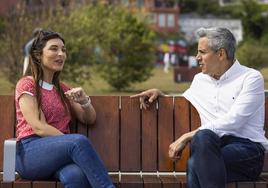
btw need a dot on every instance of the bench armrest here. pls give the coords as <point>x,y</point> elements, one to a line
<point>9,160</point>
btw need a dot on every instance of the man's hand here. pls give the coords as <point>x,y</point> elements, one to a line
<point>148,96</point>
<point>176,148</point>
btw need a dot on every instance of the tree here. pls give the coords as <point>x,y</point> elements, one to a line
<point>108,35</point>
<point>253,54</point>
<point>121,44</point>
<point>254,21</point>
<point>129,57</point>
<point>12,39</point>
<point>18,26</point>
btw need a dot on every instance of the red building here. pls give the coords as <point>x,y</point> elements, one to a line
<point>6,6</point>
<point>162,14</point>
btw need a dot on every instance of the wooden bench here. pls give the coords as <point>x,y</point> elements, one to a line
<point>132,142</point>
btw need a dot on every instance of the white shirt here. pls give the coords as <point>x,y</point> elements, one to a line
<point>232,105</point>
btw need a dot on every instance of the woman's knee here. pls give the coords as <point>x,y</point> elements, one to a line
<point>79,140</point>
<point>72,176</point>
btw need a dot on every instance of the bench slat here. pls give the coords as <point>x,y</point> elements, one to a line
<point>7,122</point>
<point>131,182</point>
<point>21,183</point>
<point>245,185</point>
<point>115,180</point>
<point>130,134</point>
<point>59,185</point>
<point>149,138</point>
<point>262,184</point>
<point>165,133</point>
<point>43,184</point>
<point>183,181</point>
<point>231,185</point>
<point>6,185</point>
<point>182,125</point>
<point>170,182</point>
<point>105,133</point>
<point>151,182</point>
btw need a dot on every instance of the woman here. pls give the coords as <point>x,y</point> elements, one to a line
<point>43,107</point>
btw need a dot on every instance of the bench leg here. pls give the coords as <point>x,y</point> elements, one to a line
<point>9,160</point>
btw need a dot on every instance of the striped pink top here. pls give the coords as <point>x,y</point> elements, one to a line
<point>51,106</point>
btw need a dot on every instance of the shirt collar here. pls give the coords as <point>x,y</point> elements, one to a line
<point>45,85</point>
<point>230,72</point>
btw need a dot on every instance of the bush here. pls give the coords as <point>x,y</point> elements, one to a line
<point>253,54</point>
<point>117,41</point>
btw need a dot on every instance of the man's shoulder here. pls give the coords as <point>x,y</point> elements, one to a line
<point>200,76</point>
<point>251,72</point>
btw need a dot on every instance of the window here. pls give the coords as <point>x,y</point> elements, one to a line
<point>162,20</point>
<point>140,3</point>
<point>170,20</point>
<point>125,2</point>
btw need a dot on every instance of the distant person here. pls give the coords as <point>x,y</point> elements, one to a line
<point>166,62</point>
<point>26,51</point>
<point>229,145</point>
<point>44,109</point>
<point>173,59</point>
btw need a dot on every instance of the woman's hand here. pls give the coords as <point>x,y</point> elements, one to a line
<point>77,95</point>
<point>81,105</point>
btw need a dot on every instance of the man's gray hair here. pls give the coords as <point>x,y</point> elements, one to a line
<point>219,38</point>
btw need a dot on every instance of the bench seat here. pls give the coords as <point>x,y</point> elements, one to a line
<point>133,143</point>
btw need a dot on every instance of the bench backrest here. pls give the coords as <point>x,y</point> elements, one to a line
<point>128,139</point>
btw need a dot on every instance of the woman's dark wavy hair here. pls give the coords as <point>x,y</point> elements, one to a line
<point>36,68</point>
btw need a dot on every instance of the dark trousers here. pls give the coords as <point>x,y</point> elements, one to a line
<point>216,161</point>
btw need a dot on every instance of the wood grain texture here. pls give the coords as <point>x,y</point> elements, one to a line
<point>104,134</point>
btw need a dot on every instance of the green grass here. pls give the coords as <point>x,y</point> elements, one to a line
<point>265,75</point>
<point>97,86</point>
<point>159,79</point>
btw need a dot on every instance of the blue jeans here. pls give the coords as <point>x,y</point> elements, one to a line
<point>70,158</point>
<point>216,161</point>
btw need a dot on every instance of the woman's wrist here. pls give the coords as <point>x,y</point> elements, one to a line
<point>87,103</point>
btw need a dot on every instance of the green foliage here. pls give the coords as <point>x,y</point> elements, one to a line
<point>2,25</point>
<point>253,54</point>
<point>254,21</point>
<point>129,50</point>
<point>116,40</point>
<point>12,39</point>
<point>121,44</point>
<point>76,68</point>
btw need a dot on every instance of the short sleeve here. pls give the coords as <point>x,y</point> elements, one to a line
<point>25,86</point>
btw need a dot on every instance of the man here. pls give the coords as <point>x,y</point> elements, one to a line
<point>230,143</point>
